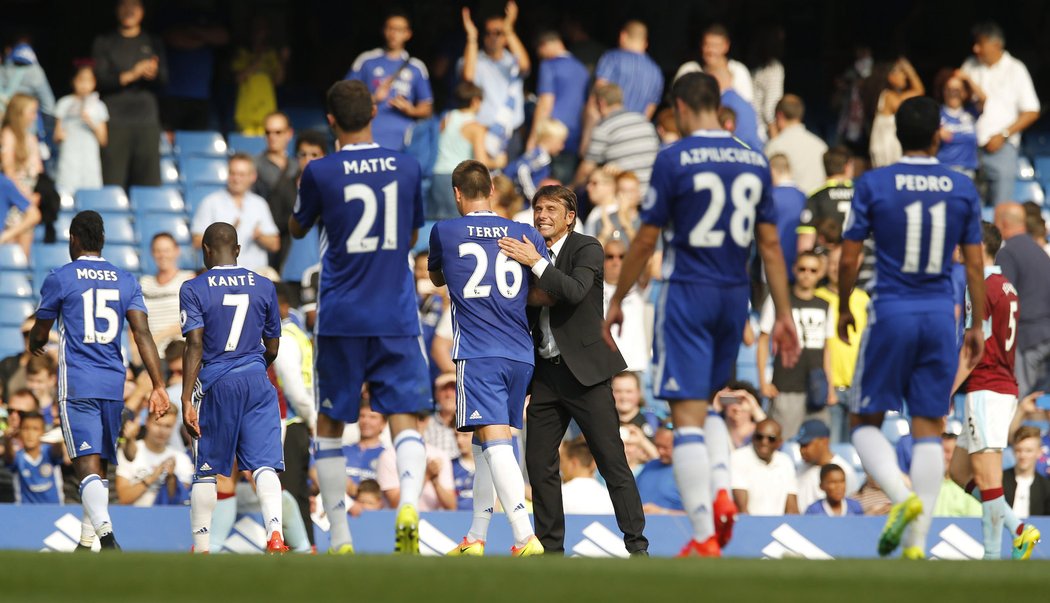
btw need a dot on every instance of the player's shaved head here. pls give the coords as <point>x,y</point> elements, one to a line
<point>918,120</point>
<point>350,104</point>
<point>220,245</point>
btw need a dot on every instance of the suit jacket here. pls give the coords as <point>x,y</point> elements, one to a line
<point>1038,496</point>
<point>575,282</point>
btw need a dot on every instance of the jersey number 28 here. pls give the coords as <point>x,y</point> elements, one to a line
<point>744,193</point>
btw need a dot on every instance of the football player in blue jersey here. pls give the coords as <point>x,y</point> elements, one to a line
<point>91,299</point>
<point>368,204</point>
<point>711,195</point>
<point>232,324</point>
<point>917,211</point>
<point>492,347</point>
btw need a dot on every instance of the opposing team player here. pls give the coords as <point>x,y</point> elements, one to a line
<point>91,299</point>
<point>991,401</point>
<point>918,211</point>
<point>368,203</point>
<point>492,348</point>
<point>232,327</point>
<point>712,194</point>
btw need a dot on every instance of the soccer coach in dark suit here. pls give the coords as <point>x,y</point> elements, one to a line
<point>574,368</point>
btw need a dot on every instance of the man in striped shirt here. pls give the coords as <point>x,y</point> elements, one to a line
<point>622,137</point>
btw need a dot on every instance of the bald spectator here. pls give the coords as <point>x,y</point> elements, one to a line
<point>763,479</point>
<point>631,68</point>
<point>1010,108</point>
<point>1027,266</point>
<point>804,150</point>
<point>623,137</point>
<point>714,49</point>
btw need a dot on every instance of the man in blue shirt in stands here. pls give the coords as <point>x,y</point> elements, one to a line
<point>633,70</point>
<point>656,483</point>
<point>562,91</point>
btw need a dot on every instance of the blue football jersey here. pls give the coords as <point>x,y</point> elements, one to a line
<point>90,298</point>
<point>39,480</point>
<point>361,463</point>
<point>488,290</point>
<point>237,308</point>
<point>917,211</point>
<point>708,191</point>
<point>369,202</point>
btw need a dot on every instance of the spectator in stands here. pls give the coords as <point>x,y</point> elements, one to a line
<point>192,35</point>
<point>161,291</point>
<point>763,478</point>
<point>1027,492</point>
<point>20,402</point>
<point>259,69</point>
<point>622,137</point>
<point>738,404</point>
<point>561,91</point>
<point>745,121</point>
<point>509,201</point>
<point>630,68</point>
<point>462,137</point>
<point>656,483</point>
<point>802,391</point>
<point>581,494</point>
<point>399,83</point>
<point>131,68</point>
<point>158,474</point>
<point>534,166</point>
<point>42,380</point>
<point>902,83</point>
<point>630,405</point>
<point>80,128</point>
<point>439,490</point>
<point>369,497</point>
<point>638,448</point>
<point>21,214</point>
<point>953,501</point>
<point>21,73</point>
<point>961,102</point>
<point>441,429</point>
<point>1035,224</point>
<point>500,71</point>
<point>463,469</point>
<point>23,164</point>
<point>790,202</point>
<point>173,359</point>
<point>666,128</point>
<point>362,458</point>
<point>833,501</point>
<point>246,211</point>
<point>714,50</point>
<point>37,466</point>
<point>13,368</point>
<point>848,100</point>
<point>631,338</point>
<point>804,149</point>
<point>872,499</point>
<point>814,445</point>
<point>1011,106</point>
<point>767,72</point>
<point>830,201</point>
<point>278,180</point>
<point>605,207</point>
<point>843,354</point>
<point>1027,267</point>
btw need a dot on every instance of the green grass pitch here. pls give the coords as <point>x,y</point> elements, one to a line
<point>149,578</point>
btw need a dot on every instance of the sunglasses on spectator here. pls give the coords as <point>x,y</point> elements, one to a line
<point>769,438</point>
<point>614,256</point>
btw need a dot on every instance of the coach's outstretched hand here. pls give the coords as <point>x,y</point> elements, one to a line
<point>190,420</point>
<point>159,403</point>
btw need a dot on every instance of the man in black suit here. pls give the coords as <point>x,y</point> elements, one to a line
<point>1035,488</point>
<point>573,372</point>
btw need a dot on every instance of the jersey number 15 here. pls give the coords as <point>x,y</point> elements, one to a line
<point>96,306</point>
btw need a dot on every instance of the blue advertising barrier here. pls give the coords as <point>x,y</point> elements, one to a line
<point>166,529</point>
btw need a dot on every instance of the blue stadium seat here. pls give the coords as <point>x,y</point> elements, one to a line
<point>151,224</point>
<point>120,230</point>
<point>157,200</point>
<point>13,312</point>
<point>12,257</point>
<point>15,284</point>
<point>47,257</point>
<point>302,255</point>
<point>195,193</point>
<point>848,452</point>
<point>203,170</point>
<point>199,144</point>
<point>11,342</point>
<point>1029,190</point>
<point>125,257</point>
<point>169,174</point>
<point>253,145</point>
<point>105,199</point>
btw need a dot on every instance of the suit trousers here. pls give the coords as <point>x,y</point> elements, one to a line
<point>557,397</point>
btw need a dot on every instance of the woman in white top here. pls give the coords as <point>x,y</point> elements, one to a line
<point>902,83</point>
<point>161,292</point>
<point>462,137</point>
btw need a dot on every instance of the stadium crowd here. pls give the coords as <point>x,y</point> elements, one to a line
<point>127,142</point>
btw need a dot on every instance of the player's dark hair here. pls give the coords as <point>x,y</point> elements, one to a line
<point>836,159</point>
<point>559,193</point>
<point>918,120</point>
<point>162,235</point>
<point>369,486</point>
<point>465,93</point>
<point>220,235</point>
<point>471,178</point>
<point>312,138</point>
<point>88,228</point>
<point>989,30</point>
<point>579,451</point>
<point>30,415</point>
<point>991,238</point>
<point>174,350</point>
<point>699,92</point>
<point>25,392</point>
<point>828,469</point>
<point>791,107</point>
<point>350,104</point>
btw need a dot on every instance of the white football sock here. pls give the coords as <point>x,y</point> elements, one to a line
<point>94,495</point>
<point>331,473</point>
<point>411,465</point>
<point>880,461</point>
<point>510,487</point>
<point>992,511</point>
<point>87,531</point>
<point>484,496</point>
<point>927,474</point>
<point>716,436</point>
<point>203,498</point>
<point>295,535</point>
<point>691,464</point>
<point>222,520</point>
<point>268,488</point>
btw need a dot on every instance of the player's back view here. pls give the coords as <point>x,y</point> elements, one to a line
<point>91,299</point>
<point>492,346</point>
<point>368,205</point>
<point>232,326</point>
<point>917,211</point>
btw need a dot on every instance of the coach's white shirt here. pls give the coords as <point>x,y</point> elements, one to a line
<point>146,461</point>
<point>253,213</point>
<point>809,482</point>
<point>1010,92</point>
<point>549,347</point>
<point>585,496</point>
<point>767,484</point>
